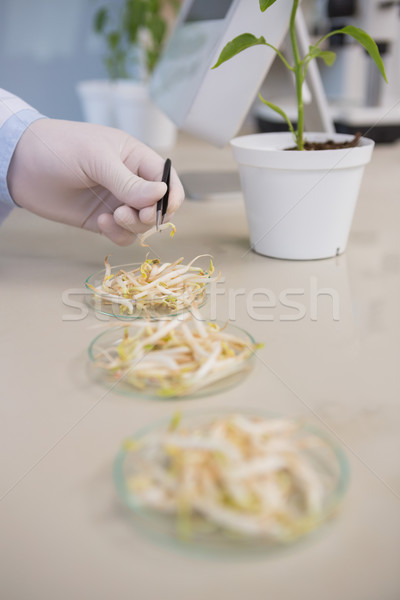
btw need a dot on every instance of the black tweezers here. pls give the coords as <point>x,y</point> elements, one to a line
<point>162,205</point>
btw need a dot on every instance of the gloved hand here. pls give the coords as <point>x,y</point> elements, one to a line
<point>90,176</point>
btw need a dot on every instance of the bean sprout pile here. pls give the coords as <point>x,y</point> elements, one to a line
<point>174,357</point>
<point>155,288</point>
<point>249,475</point>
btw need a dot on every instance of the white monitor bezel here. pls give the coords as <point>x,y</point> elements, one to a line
<point>221,98</point>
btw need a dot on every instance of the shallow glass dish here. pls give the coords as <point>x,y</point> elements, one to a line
<point>112,338</point>
<point>204,536</point>
<point>106,305</point>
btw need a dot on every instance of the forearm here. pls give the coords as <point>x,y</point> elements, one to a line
<point>15,116</point>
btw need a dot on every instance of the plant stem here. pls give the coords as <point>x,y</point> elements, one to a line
<point>299,77</point>
<point>283,59</point>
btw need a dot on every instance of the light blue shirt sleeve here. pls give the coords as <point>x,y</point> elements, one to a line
<point>11,130</point>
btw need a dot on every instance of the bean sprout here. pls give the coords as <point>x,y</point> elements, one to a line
<point>174,357</point>
<point>155,288</point>
<point>250,475</point>
<point>154,230</point>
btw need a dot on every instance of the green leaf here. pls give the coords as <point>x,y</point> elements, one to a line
<point>365,40</point>
<point>327,56</point>
<point>238,44</point>
<point>133,18</point>
<point>154,6</point>
<point>114,39</point>
<point>279,111</point>
<point>158,28</point>
<point>100,20</point>
<point>264,4</point>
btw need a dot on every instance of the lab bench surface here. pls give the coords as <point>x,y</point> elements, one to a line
<point>331,331</point>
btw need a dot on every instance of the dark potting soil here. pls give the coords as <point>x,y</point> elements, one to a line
<point>330,144</point>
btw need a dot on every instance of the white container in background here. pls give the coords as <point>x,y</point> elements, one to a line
<point>96,96</point>
<point>137,114</point>
<point>299,205</point>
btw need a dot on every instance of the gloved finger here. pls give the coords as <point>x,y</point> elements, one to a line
<point>144,161</point>
<point>149,165</point>
<point>148,216</point>
<point>128,218</point>
<point>114,232</point>
<point>176,194</point>
<point>129,188</point>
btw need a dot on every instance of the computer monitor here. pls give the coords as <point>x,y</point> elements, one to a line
<point>212,104</point>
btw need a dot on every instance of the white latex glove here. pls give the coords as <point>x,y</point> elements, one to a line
<point>90,176</point>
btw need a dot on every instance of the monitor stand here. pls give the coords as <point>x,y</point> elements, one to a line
<point>211,185</point>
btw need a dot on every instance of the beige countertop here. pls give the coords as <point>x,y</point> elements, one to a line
<point>332,359</point>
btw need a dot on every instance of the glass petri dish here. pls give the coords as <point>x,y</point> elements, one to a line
<point>204,537</point>
<point>119,382</point>
<point>109,306</point>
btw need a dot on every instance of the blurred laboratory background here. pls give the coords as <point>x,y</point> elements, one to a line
<point>48,46</point>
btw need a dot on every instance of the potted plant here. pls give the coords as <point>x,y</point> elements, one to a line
<point>300,200</point>
<point>134,34</point>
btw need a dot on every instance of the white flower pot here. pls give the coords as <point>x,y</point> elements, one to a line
<point>299,205</point>
<point>137,114</point>
<point>96,96</point>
